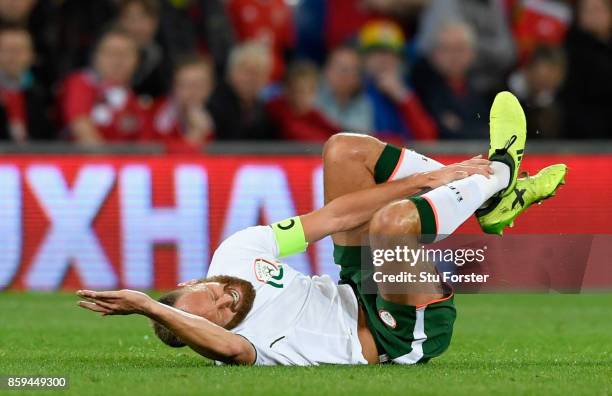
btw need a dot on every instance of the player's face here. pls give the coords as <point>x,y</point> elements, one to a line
<point>214,301</point>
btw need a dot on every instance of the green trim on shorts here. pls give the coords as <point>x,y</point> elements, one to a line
<point>437,321</point>
<point>396,342</point>
<point>386,163</point>
<point>428,219</point>
<point>348,256</point>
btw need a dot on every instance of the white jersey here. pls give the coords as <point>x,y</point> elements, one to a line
<point>295,319</point>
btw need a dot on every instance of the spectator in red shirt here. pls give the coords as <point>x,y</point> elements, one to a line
<point>182,120</point>
<point>98,104</point>
<point>269,22</point>
<point>295,113</point>
<point>25,103</point>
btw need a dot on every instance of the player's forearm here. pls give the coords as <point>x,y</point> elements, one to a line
<point>355,209</point>
<point>201,335</point>
<point>352,210</point>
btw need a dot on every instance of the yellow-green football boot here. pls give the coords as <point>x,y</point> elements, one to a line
<point>508,131</point>
<point>501,213</point>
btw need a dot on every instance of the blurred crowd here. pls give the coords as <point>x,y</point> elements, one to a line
<point>187,72</point>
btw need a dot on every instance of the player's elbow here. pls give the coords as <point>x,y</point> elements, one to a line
<point>238,353</point>
<point>222,351</point>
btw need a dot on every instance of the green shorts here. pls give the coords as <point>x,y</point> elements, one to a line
<point>403,334</point>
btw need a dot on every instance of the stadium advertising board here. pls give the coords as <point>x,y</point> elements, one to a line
<point>149,222</point>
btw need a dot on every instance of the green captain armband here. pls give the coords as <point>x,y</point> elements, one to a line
<point>290,236</point>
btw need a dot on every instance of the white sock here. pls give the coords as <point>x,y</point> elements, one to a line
<point>455,202</point>
<point>411,162</point>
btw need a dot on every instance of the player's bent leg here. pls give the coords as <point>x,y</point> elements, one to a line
<point>412,322</point>
<point>347,155</point>
<point>353,162</point>
<point>396,163</point>
<point>348,166</point>
<point>444,209</point>
<point>399,224</point>
<point>348,163</point>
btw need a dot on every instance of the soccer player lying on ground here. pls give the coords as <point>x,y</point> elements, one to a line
<point>253,309</point>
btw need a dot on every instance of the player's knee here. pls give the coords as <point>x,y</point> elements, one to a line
<point>396,218</point>
<point>343,147</point>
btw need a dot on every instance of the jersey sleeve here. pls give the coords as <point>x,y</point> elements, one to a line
<point>258,239</point>
<point>235,255</point>
<point>278,240</point>
<point>252,254</point>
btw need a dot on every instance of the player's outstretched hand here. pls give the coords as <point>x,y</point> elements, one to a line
<point>120,302</point>
<point>474,166</point>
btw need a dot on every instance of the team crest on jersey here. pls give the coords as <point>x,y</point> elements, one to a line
<point>269,272</point>
<point>387,318</point>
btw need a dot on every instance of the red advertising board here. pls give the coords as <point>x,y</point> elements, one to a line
<point>148,222</point>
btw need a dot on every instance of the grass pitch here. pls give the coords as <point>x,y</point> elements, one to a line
<point>503,344</point>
